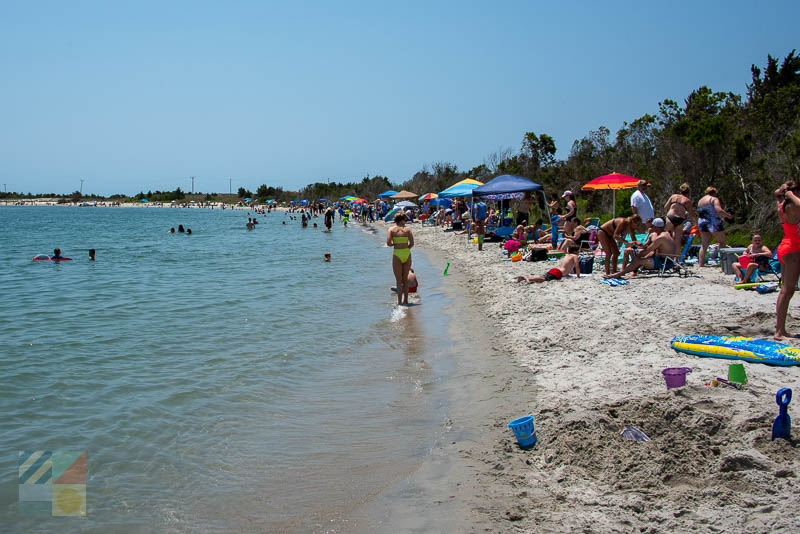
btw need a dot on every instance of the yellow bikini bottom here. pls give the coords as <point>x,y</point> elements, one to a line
<point>402,254</point>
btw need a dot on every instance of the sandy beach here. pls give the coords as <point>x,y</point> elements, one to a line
<point>586,359</point>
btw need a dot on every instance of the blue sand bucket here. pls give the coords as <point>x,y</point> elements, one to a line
<point>524,430</point>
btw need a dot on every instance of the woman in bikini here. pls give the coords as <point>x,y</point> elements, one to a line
<point>788,252</point>
<point>613,231</point>
<point>401,238</point>
<point>574,234</point>
<point>709,222</point>
<point>677,208</point>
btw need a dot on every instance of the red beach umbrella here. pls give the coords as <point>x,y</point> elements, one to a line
<point>612,181</point>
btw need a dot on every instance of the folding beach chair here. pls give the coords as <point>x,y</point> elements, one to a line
<point>774,270</point>
<point>676,262</point>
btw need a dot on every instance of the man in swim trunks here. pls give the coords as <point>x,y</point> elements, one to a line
<point>651,256</point>
<point>569,263</point>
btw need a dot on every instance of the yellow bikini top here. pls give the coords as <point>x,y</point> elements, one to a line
<point>399,239</point>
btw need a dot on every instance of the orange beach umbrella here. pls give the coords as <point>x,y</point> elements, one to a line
<point>612,181</point>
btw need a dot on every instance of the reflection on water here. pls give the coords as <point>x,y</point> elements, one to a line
<point>228,380</point>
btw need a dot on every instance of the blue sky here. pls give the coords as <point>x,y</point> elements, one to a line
<point>132,96</point>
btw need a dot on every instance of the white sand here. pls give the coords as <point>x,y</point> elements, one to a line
<point>593,355</point>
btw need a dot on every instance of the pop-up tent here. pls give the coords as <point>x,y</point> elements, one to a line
<point>387,194</point>
<point>507,184</point>
<point>461,189</point>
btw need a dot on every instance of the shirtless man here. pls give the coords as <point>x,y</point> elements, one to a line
<point>661,244</point>
<point>569,263</point>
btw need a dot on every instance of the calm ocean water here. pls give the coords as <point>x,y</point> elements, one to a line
<point>225,381</point>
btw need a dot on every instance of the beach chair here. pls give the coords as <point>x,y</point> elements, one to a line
<point>676,262</point>
<point>774,270</point>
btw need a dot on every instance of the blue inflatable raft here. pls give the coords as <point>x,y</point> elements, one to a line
<point>738,348</point>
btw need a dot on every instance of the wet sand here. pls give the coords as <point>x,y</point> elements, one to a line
<point>584,359</point>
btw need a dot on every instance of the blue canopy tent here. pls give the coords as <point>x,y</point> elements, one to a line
<point>441,202</point>
<point>387,194</point>
<point>458,190</point>
<point>506,184</point>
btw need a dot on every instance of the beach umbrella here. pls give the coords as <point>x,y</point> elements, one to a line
<point>347,197</point>
<point>387,194</point>
<point>406,204</point>
<point>323,200</point>
<point>247,199</point>
<point>358,201</point>
<point>404,194</point>
<point>612,181</point>
<point>429,196</point>
<point>143,200</point>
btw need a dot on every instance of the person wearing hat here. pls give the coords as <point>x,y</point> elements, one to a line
<point>640,202</point>
<point>651,256</point>
<point>572,206</point>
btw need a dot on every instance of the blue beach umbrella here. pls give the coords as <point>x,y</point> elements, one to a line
<point>143,200</point>
<point>247,199</point>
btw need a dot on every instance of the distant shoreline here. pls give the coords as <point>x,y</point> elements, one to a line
<point>111,204</point>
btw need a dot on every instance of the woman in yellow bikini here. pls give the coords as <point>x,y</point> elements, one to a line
<point>402,240</point>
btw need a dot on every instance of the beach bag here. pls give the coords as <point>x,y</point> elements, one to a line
<point>536,254</point>
<point>586,263</point>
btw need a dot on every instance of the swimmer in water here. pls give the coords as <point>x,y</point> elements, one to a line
<point>180,229</point>
<point>284,223</point>
<point>91,254</point>
<point>188,231</point>
<point>327,256</point>
<point>172,230</point>
<point>56,254</point>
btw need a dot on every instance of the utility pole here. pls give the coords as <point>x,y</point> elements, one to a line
<point>192,177</point>
<point>230,186</point>
<point>81,187</point>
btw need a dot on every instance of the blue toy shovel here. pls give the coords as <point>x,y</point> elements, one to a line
<point>783,424</point>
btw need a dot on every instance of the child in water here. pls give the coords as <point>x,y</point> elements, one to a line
<point>91,254</point>
<point>327,256</point>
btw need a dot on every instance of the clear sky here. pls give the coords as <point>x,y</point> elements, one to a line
<point>132,96</point>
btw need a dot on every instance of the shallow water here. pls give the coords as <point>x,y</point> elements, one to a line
<point>227,380</point>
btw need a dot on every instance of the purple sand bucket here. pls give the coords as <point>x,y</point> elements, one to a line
<point>676,376</point>
<point>524,431</point>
